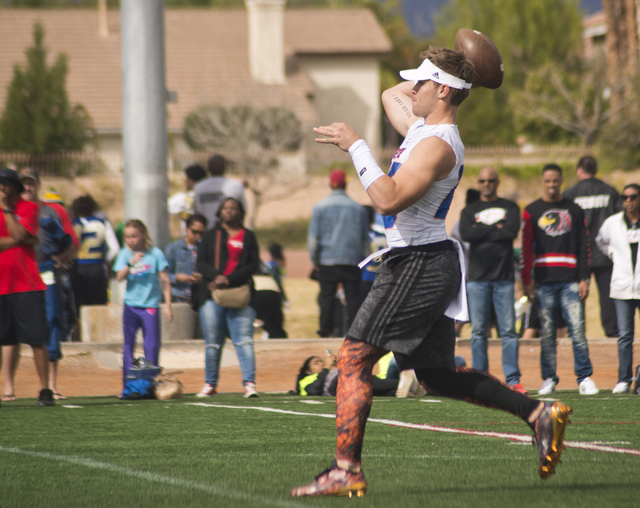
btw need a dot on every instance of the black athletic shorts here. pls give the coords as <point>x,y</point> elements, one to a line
<point>404,310</point>
<point>23,319</point>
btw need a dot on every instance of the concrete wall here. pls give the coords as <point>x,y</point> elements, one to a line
<point>347,90</point>
<point>103,324</point>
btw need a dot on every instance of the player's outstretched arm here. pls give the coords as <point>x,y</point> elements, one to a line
<point>430,161</point>
<point>398,105</point>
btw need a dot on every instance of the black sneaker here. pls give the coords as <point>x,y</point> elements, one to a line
<point>46,398</point>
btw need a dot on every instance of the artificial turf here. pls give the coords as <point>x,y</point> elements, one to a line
<point>224,452</point>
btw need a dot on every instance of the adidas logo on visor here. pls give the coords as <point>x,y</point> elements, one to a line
<point>436,75</point>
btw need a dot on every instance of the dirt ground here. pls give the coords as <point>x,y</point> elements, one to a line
<point>81,375</point>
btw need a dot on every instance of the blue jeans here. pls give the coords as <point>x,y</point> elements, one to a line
<point>625,309</point>
<point>54,319</point>
<point>564,297</point>
<point>219,323</point>
<point>480,296</point>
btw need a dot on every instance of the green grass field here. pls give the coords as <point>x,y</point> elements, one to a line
<point>232,452</point>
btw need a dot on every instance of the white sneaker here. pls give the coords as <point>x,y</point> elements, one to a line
<point>621,388</point>
<point>207,391</point>
<point>548,387</point>
<point>407,380</point>
<point>588,387</point>
<point>250,391</point>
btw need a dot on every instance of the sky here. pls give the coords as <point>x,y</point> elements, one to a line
<point>419,12</point>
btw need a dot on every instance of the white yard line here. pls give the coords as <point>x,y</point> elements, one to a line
<point>434,428</point>
<point>250,499</point>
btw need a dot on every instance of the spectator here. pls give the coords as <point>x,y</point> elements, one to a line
<point>90,276</point>
<point>277,261</point>
<point>209,193</point>
<point>145,269</point>
<point>598,201</point>
<point>338,240</point>
<point>23,316</point>
<point>555,244</point>
<point>317,377</point>
<point>55,251</point>
<point>65,291</point>
<point>228,256</point>
<point>181,203</point>
<point>490,226</point>
<point>269,299</point>
<point>181,257</point>
<point>618,239</point>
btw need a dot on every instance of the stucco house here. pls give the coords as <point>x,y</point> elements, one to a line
<point>320,63</point>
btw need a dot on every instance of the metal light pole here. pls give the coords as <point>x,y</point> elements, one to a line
<point>144,114</point>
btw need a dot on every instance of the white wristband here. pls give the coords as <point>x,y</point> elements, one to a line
<point>366,166</point>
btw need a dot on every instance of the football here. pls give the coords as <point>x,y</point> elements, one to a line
<point>488,69</point>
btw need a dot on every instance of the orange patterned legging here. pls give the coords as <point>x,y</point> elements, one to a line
<point>354,396</point>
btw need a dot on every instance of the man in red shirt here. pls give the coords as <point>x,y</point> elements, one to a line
<point>22,304</point>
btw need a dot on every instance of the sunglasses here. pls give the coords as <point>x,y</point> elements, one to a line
<point>198,232</point>
<point>492,180</point>
<point>631,197</point>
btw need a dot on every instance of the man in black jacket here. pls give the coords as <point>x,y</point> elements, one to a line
<point>490,226</point>
<point>599,201</point>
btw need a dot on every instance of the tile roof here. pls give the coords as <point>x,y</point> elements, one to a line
<point>206,56</point>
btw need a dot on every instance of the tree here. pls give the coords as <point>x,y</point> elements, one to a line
<point>565,104</point>
<point>38,117</point>
<point>256,141</point>
<point>529,35</point>
<point>622,47</point>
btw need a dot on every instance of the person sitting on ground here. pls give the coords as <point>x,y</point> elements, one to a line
<point>317,378</point>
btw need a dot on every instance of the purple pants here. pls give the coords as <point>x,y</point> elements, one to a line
<point>134,318</point>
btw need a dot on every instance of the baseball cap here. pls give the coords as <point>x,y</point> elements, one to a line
<point>429,71</point>
<point>29,173</point>
<point>338,179</point>
<point>9,175</point>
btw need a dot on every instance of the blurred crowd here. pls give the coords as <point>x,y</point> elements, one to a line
<point>55,259</point>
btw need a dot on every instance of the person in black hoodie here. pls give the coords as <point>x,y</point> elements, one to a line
<point>228,256</point>
<point>598,201</point>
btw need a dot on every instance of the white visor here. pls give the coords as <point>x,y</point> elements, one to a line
<point>428,71</point>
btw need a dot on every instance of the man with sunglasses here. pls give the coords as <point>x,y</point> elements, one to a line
<point>618,239</point>
<point>181,258</point>
<point>555,245</point>
<point>599,201</point>
<point>490,225</point>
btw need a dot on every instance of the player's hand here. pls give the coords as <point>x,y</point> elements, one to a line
<point>168,313</point>
<point>583,290</point>
<point>339,134</point>
<point>528,290</point>
<point>56,261</point>
<point>183,277</point>
<point>137,256</point>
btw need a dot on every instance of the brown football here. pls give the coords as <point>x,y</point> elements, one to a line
<point>488,69</point>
